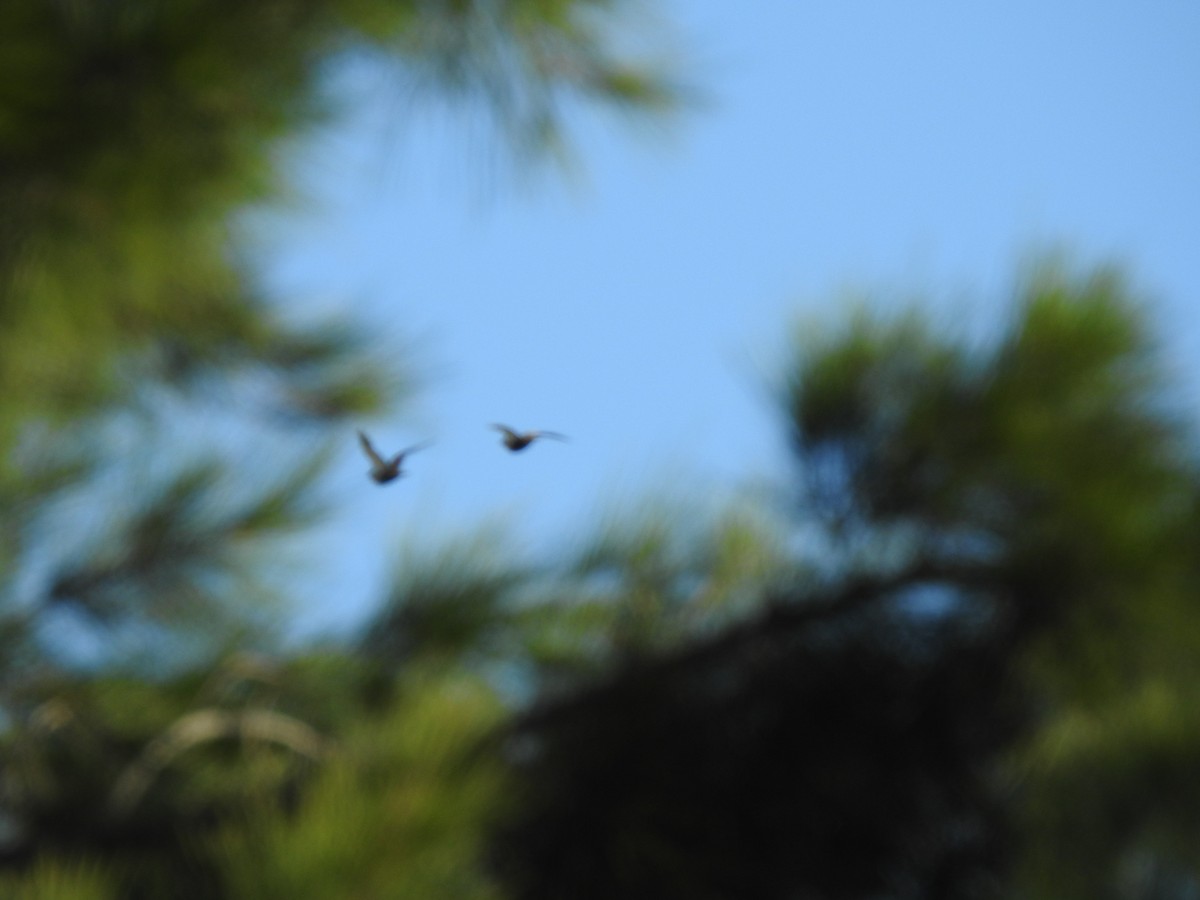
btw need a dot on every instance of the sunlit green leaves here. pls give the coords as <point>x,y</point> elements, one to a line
<point>402,811</point>
<point>1113,791</point>
<point>61,879</point>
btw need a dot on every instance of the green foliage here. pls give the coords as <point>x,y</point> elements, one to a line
<point>135,769</point>
<point>769,761</point>
<point>968,676</point>
<point>132,138</point>
<point>988,664</point>
<point>523,62</point>
<point>130,134</point>
<point>135,339</point>
<point>401,811</point>
<point>653,579</point>
<point>1062,459</point>
<point>1059,452</point>
<point>965,670</point>
<point>449,606</point>
<point>1114,790</point>
<point>642,582</point>
<point>60,880</point>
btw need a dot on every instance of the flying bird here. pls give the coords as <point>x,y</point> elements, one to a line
<point>519,440</point>
<point>385,470</point>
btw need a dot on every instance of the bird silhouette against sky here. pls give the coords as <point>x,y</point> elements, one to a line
<point>519,440</point>
<point>384,470</point>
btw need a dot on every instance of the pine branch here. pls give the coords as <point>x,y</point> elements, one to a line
<point>206,726</point>
<point>778,619</point>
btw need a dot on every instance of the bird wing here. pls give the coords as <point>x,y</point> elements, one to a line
<point>399,457</point>
<point>368,449</point>
<point>508,431</point>
<point>551,434</point>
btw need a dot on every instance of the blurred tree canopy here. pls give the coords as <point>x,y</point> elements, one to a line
<point>133,138</point>
<point>978,684</point>
<point>955,657</point>
<point>137,559</point>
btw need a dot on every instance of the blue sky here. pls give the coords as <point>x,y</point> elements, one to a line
<point>641,306</point>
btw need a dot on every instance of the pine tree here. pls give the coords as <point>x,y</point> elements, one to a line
<point>141,355</point>
<point>979,684</point>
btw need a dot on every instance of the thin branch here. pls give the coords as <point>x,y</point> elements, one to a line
<point>790,618</point>
<point>204,726</point>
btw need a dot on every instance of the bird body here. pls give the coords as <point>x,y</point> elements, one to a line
<point>519,440</point>
<point>383,469</point>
